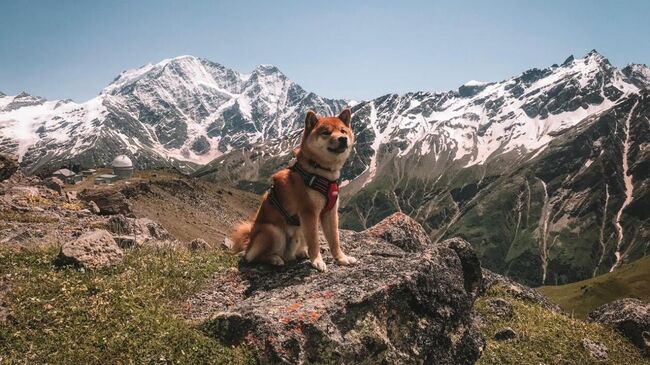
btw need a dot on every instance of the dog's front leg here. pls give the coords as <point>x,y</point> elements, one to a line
<point>309,222</point>
<point>330,222</point>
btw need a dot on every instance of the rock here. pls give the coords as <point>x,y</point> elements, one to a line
<point>108,200</point>
<point>130,231</point>
<point>505,334</point>
<point>92,206</point>
<point>92,250</point>
<point>71,196</point>
<point>517,290</point>
<point>8,166</point>
<point>402,231</point>
<point>595,349</point>
<point>396,306</point>
<point>125,242</point>
<point>54,183</point>
<point>629,316</point>
<point>121,225</point>
<point>23,192</point>
<point>198,244</point>
<point>500,307</point>
<point>83,213</point>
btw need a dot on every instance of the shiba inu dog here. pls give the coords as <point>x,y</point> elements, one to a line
<point>302,197</point>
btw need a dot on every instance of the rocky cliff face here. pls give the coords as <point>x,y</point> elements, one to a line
<point>398,305</point>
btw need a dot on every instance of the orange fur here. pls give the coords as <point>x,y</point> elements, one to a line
<point>241,236</point>
<point>269,238</point>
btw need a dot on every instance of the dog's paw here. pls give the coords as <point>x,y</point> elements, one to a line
<point>319,264</point>
<point>302,254</point>
<point>276,260</point>
<point>346,260</point>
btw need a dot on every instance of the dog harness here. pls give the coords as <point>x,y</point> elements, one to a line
<point>329,189</point>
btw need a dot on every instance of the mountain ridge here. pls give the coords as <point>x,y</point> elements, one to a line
<point>154,112</point>
<point>526,168</point>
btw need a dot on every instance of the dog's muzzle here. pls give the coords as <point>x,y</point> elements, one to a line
<point>342,145</point>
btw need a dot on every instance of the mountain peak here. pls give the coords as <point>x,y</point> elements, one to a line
<point>595,56</point>
<point>594,53</point>
<point>267,69</point>
<point>568,60</point>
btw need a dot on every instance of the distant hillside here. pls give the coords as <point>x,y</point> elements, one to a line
<point>582,297</point>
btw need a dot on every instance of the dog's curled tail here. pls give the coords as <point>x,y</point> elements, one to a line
<point>241,236</point>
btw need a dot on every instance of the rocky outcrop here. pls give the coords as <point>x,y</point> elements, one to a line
<point>8,166</point>
<point>198,244</point>
<point>395,306</point>
<point>505,334</point>
<point>92,250</point>
<point>109,200</point>
<point>517,290</point>
<point>54,183</point>
<point>402,231</point>
<point>138,231</point>
<point>629,316</point>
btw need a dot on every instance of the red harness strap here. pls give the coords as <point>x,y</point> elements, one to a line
<point>332,197</point>
<point>329,189</point>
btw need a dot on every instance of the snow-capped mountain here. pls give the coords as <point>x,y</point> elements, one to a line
<point>448,159</point>
<point>180,112</point>
<point>545,173</point>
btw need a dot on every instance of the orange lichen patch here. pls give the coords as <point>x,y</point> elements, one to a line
<point>293,307</point>
<point>314,316</point>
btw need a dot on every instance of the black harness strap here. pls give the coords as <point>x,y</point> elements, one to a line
<point>328,188</point>
<point>316,182</point>
<point>273,199</point>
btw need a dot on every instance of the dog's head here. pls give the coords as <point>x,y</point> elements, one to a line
<point>328,140</point>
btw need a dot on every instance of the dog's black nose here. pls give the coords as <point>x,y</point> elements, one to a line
<point>343,141</point>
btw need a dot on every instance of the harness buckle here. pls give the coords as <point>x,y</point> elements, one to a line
<point>311,181</point>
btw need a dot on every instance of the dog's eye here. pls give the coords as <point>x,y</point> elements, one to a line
<point>327,133</point>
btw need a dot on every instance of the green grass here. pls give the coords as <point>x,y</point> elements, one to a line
<point>582,297</point>
<point>546,337</point>
<point>129,314</point>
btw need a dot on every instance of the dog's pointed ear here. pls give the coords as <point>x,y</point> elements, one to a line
<point>346,116</point>
<point>310,120</point>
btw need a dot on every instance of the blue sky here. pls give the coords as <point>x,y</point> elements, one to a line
<point>345,49</point>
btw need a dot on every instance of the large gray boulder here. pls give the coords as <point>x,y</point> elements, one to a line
<point>54,183</point>
<point>138,231</point>
<point>629,316</point>
<point>395,306</point>
<point>402,231</point>
<point>517,290</point>
<point>109,200</point>
<point>92,250</point>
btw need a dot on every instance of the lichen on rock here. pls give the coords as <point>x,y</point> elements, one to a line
<point>395,306</point>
